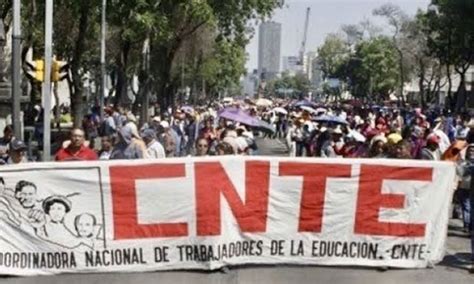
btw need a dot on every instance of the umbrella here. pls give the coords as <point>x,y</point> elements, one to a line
<point>238,115</point>
<point>280,110</point>
<point>357,136</point>
<point>330,118</point>
<point>187,109</point>
<point>264,102</point>
<point>321,110</point>
<point>228,100</point>
<point>304,103</point>
<point>308,109</point>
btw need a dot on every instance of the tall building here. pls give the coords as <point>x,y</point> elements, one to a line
<point>291,65</point>
<point>269,42</point>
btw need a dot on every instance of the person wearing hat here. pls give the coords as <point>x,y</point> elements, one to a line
<point>76,150</point>
<point>168,138</point>
<point>154,149</point>
<point>17,152</point>
<point>431,151</point>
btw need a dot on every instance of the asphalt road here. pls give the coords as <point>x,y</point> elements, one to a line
<point>452,270</point>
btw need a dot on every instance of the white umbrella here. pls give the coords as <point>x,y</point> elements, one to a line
<point>264,102</point>
<point>280,110</point>
<point>308,109</point>
<point>321,110</point>
<point>357,136</point>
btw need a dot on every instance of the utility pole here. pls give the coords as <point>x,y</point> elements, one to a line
<point>102,60</point>
<point>48,56</point>
<point>16,68</point>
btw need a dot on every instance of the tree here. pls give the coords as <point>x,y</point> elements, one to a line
<point>397,19</point>
<point>332,56</point>
<point>451,39</point>
<point>372,71</point>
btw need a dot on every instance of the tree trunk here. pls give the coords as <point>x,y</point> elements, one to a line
<point>461,92</point>
<point>77,101</point>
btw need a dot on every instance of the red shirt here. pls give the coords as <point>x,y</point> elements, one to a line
<point>83,154</point>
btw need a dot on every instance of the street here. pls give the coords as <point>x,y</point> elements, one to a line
<point>453,269</point>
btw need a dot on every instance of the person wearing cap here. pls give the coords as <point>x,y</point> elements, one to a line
<point>76,150</point>
<point>17,152</point>
<point>431,151</point>
<point>154,149</point>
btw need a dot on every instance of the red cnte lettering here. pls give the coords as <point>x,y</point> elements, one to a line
<point>212,180</point>
<point>314,190</point>
<point>124,201</point>
<point>370,200</point>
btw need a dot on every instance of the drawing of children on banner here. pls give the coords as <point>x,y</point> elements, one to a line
<point>46,218</point>
<point>56,207</point>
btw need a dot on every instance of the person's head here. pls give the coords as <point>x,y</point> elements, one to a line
<point>377,148</point>
<point>56,207</point>
<point>209,123</point>
<point>202,147</point>
<point>8,133</point>
<point>148,135</point>
<point>84,224</point>
<point>106,143</point>
<point>403,150</point>
<point>432,142</point>
<point>77,138</point>
<point>25,193</point>
<point>224,148</point>
<point>17,151</point>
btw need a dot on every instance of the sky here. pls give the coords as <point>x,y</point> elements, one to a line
<point>327,16</point>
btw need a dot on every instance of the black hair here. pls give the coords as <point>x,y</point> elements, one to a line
<point>48,204</point>
<point>22,184</point>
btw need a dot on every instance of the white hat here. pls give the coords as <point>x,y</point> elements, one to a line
<point>165,124</point>
<point>156,118</point>
<point>338,131</point>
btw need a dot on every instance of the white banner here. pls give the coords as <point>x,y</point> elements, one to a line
<point>212,212</point>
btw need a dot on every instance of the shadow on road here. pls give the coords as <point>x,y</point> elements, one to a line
<point>459,261</point>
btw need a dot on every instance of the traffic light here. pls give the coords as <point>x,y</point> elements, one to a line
<point>39,70</point>
<point>59,70</point>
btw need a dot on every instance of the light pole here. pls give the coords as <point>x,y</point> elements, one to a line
<point>48,56</point>
<point>102,60</point>
<point>16,67</point>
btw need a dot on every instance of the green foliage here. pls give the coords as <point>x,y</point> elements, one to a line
<point>298,84</point>
<point>333,55</point>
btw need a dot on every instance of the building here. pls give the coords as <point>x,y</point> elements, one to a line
<point>291,65</point>
<point>250,84</point>
<point>269,50</point>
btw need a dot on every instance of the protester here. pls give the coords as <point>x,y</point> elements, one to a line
<point>129,145</point>
<point>154,149</point>
<point>5,141</point>
<point>202,147</point>
<point>106,148</point>
<point>431,151</point>
<point>17,152</point>
<point>76,149</point>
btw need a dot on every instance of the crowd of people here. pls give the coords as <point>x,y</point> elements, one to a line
<point>349,130</point>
